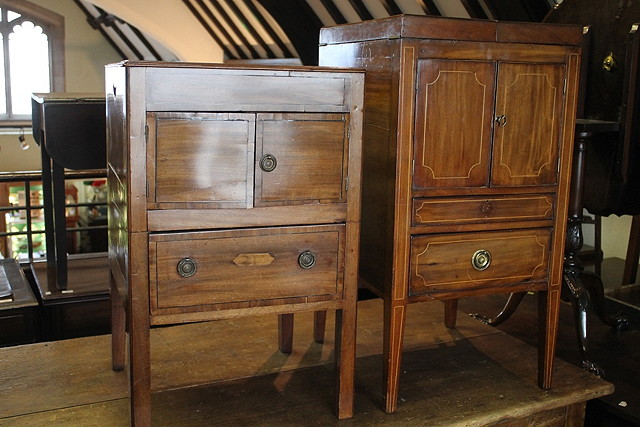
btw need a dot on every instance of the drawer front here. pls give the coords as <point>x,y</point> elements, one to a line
<point>477,209</point>
<point>455,262</point>
<point>300,158</point>
<point>200,269</point>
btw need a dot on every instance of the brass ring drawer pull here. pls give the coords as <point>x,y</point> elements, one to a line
<point>268,162</point>
<point>187,267</point>
<point>307,260</point>
<point>481,259</point>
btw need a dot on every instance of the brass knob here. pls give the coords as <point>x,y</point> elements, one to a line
<point>306,260</point>
<point>187,267</point>
<point>268,162</point>
<point>486,207</point>
<point>609,62</point>
<point>501,120</point>
<point>481,259</point>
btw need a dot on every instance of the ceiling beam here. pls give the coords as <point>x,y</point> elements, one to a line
<point>146,43</point>
<point>234,28</point>
<point>267,27</point>
<point>225,50</point>
<point>333,10</point>
<point>96,26</point>
<point>361,10</point>
<point>300,24</point>
<point>391,7</point>
<point>218,26</point>
<point>110,21</point>
<point>254,33</point>
<point>474,9</point>
<point>429,7</point>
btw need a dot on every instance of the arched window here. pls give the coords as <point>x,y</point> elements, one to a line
<point>32,57</point>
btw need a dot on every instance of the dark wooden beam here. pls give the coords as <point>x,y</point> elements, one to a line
<point>267,27</point>
<point>361,9</point>
<point>231,24</point>
<point>96,26</point>
<point>110,21</point>
<point>221,29</point>
<point>333,10</point>
<point>519,10</point>
<point>391,7</point>
<point>300,24</point>
<point>254,33</point>
<point>146,43</point>
<point>474,9</point>
<point>227,53</point>
<point>429,7</point>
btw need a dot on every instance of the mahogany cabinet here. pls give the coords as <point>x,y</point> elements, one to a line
<point>466,163</point>
<point>233,191</point>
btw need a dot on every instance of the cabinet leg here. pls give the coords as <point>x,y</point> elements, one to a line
<point>319,325</point>
<point>394,318</point>
<point>285,332</point>
<point>450,312</point>
<point>139,370</point>
<point>345,359</point>
<point>118,332</point>
<point>138,327</point>
<point>548,314</point>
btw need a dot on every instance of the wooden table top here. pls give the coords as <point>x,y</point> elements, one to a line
<point>449,377</point>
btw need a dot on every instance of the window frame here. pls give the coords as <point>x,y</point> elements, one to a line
<point>53,26</point>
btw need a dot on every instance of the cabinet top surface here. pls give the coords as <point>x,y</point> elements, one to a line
<point>440,28</point>
<point>68,97</point>
<point>252,68</point>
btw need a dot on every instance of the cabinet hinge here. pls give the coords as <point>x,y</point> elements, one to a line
<point>413,167</point>
<point>564,89</point>
<point>146,133</point>
<point>147,188</point>
<point>346,184</point>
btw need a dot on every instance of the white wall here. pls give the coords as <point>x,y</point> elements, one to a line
<point>86,54</point>
<point>169,22</point>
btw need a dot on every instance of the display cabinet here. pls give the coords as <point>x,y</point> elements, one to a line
<point>233,191</point>
<point>466,163</point>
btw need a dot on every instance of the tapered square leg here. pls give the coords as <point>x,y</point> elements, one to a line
<point>118,337</point>
<point>394,318</point>
<point>285,332</point>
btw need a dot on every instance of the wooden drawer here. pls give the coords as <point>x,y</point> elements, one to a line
<point>442,263</point>
<point>482,209</point>
<point>250,265</point>
<point>242,160</point>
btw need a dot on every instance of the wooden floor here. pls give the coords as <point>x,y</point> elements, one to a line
<point>231,373</point>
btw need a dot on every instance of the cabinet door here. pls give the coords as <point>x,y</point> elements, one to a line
<point>300,158</point>
<point>527,129</point>
<point>201,159</point>
<point>454,113</point>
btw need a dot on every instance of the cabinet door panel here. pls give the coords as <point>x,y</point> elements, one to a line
<point>526,143</point>
<point>201,158</point>
<point>309,151</point>
<point>454,108</point>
